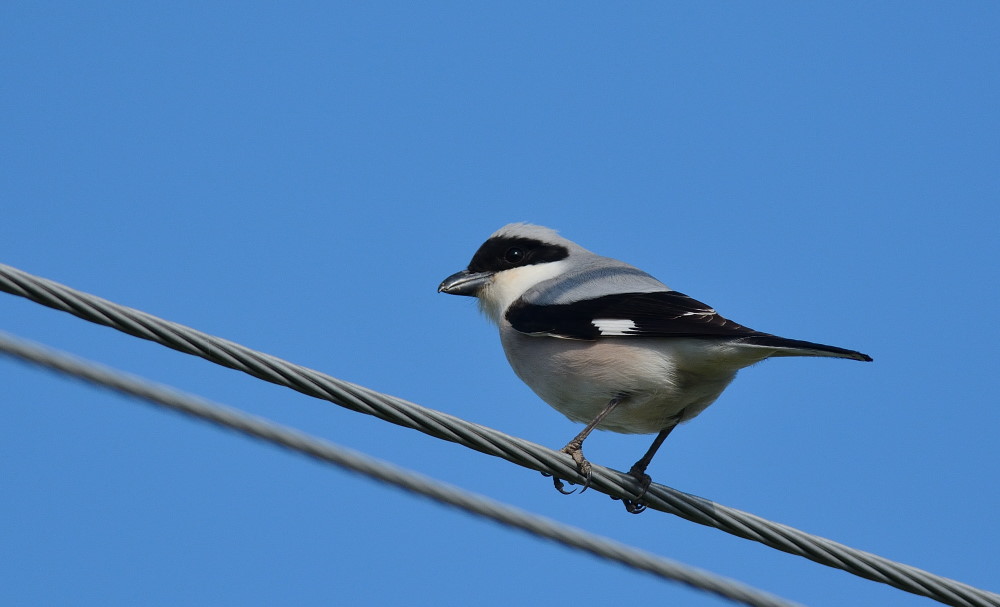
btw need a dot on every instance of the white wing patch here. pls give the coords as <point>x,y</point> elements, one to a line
<point>614,326</point>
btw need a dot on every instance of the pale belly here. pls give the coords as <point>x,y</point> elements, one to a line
<point>579,378</point>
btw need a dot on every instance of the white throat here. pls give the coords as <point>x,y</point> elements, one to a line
<point>507,286</point>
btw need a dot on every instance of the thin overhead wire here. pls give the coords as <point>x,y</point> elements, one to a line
<point>325,451</point>
<point>489,441</point>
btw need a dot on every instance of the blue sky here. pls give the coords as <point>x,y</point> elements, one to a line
<point>300,177</point>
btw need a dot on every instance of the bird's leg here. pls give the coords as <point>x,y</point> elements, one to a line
<point>638,472</point>
<point>574,448</point>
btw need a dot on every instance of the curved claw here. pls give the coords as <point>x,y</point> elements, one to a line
<point>635,505</point>
<point>561,487</point>
<point>558,484</point>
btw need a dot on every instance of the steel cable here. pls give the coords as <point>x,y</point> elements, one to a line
<point>489,441</point>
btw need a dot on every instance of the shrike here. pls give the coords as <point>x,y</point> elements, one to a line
<point>605,343</point>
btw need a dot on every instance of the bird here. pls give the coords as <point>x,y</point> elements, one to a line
<point>608,345</point>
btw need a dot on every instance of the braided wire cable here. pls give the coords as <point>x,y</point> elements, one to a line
<point>351,460</point>
<point>489,441</point>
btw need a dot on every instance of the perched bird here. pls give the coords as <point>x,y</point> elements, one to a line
<point>605,343</point>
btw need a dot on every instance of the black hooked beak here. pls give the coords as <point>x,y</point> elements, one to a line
<point>465,283</point>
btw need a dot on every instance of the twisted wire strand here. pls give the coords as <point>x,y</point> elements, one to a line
<point>489,441</point>
<point>348,459</point>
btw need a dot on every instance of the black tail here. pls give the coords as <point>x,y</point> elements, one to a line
<point>797,347</point>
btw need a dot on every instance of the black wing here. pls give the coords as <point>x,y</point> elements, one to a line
<point>658,314</point>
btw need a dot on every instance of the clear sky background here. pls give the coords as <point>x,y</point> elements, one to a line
<point>300,177</point>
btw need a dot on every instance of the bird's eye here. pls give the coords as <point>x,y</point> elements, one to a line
<point>513,255</point>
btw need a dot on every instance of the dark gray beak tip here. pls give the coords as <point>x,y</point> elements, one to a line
<point>443,287</point>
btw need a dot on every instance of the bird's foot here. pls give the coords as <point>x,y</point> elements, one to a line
<point>575,450</point>
<point>635,505</point>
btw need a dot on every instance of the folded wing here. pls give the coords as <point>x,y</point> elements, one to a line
<point>648,315</point>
